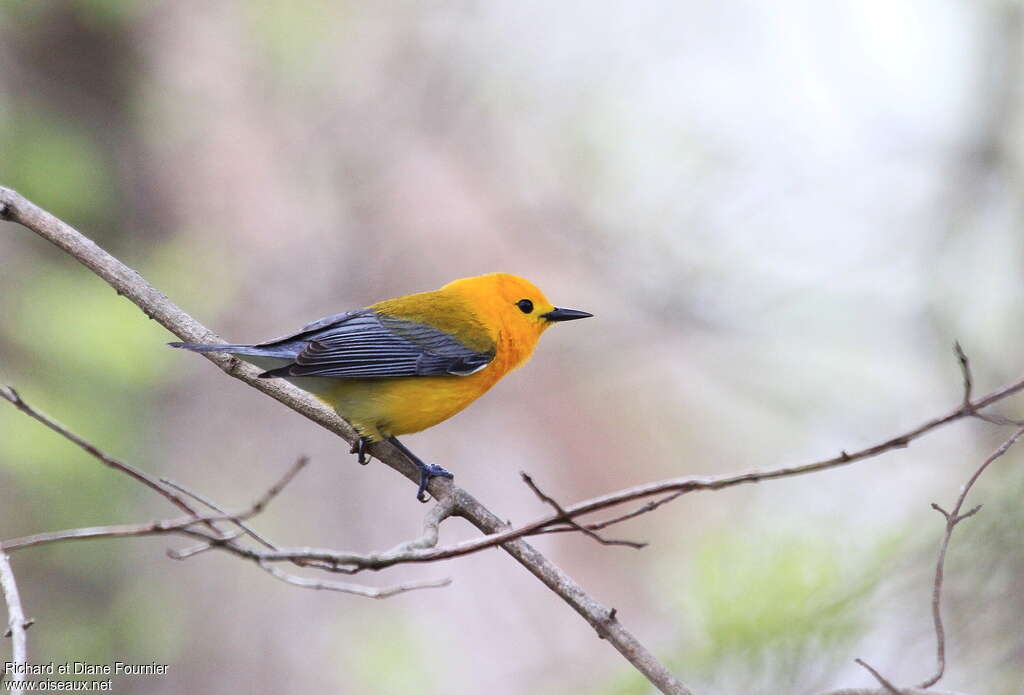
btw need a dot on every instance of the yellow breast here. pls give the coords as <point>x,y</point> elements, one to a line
<point>380,408</point>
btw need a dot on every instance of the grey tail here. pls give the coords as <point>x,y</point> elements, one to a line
<point>254,350</point>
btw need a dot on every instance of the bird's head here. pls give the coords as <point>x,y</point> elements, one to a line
<point>521,311</point>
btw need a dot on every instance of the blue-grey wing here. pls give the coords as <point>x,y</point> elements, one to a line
<point>302,335</point>
<point>364,344</point>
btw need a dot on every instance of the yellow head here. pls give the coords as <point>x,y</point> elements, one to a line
<point>514,308</point>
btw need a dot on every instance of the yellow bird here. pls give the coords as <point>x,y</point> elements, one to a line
<point>403,365</point>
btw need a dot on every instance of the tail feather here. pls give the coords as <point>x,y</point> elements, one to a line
<point>254,350</point>
<point>278,372</point>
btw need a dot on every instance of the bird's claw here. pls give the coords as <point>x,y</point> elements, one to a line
<point>428,471</point>
<point>359,448</point>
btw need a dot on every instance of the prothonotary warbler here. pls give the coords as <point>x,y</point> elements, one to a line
<point>405,364</point>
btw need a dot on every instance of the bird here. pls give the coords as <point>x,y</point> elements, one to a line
<point>405,364</point>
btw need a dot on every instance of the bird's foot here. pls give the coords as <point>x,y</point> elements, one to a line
<point>359,448</point>
<point>428,471</point>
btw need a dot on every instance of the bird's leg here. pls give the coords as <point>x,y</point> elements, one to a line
<point>359,448</point>
<point>427,470</point>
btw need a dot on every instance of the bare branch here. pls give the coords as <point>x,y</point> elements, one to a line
<point>16,621</point>
<point>275,489</point>
<point>154,304</point>
<point>257,506</point>
<point>357,589</point>
<point>644,509</point>
<point>886,685</point>
<point>185,526</point>
<point>965,370</point>
<point>953,518</point>
<point>339,561</point>
<point>244,529</point>
<point>572,523</point>
<point>454,500</point>
<point>884,691</point>
<point>423,550</point>
<point>200,548</point>
<point>149,528</point>
<point>165,526</point>
<point>8,393</point>
<point>672,488</point>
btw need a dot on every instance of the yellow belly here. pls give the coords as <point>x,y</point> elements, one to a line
<point>380,408</point>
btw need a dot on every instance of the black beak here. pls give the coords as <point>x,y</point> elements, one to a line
<point>565,315</point>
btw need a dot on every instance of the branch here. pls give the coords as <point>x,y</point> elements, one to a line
<point>431,529</point>
<point>214,538</point>
<point>154,304</point>
<point>887,687</point>
<point>572,523</point>
<point>150,528</point>
<point>965,370</point>
<point>454,501</point>
<point>952,519</point>
<point>885,691</point>
<point>672,488</point>
<point>357,589</point>
<point>15,615</point>
<point>8,393</point>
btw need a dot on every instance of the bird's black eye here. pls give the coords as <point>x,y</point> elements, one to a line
<point>525,306</point>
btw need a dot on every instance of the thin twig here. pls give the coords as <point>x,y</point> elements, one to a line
<point>886,685</point>
<point>258,506</point>
<point>168,525</point>
<point>149,528</point>
<point>357,589</point>
<point>643,509</point>
<point>275,489</point>
<point>200,548</point>
<point>965,370</point>
<point>683,485</point>
<point>8,393</point>
<point>953,518</point>
<point>572,522</point>
<point>884,691</point>
<point>16,621</point>
<point>185,526</point>
<point>243,528</point>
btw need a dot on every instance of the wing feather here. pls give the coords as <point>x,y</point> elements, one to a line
<point>364,344</point>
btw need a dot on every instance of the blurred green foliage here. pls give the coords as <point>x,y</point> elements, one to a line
<point>287,38</point>
<point>759,601</point>
<point>770,615</point>
<point>385,658</point>
<point>100,13</point>
<point>89,359</point>
<point>49,158</point>
<point>110,12</point>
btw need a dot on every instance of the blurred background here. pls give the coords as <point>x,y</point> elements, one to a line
<point>781,214</point>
